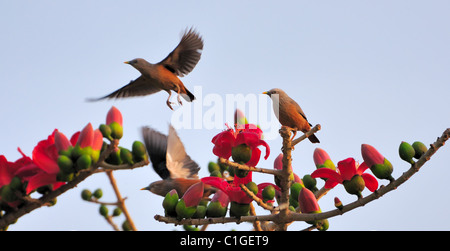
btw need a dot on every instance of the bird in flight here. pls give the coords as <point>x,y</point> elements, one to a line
<point>165,74</point>
<point>171,162</point>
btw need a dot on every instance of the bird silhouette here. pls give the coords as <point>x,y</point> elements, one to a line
<point>164,75</point>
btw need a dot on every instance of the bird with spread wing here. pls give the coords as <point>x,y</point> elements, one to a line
<point>170,161</point>
<point>164,75</point>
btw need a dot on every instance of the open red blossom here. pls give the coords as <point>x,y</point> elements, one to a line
<point>233,191</point>
<point>45,156</point>
<point>346,169</point>
<point>250,135</point>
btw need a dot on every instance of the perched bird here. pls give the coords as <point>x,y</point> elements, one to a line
<point>289,113</point>
<point>170,161</point>
<point>164,75</point>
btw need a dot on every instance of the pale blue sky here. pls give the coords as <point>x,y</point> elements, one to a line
<point>374,72</point>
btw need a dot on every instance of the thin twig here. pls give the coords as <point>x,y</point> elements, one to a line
<point>258,201</point>
<point>306,135</point>
<point>248,168</point>
<point>120,200</point>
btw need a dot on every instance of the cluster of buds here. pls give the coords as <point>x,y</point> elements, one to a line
<point>188,206</point>
<point>407,151</point>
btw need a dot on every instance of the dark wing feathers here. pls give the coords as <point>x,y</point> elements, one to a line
<point>186,55</point>
<point>156,144</point>
<point>138,87</point>
<point>168,156</point>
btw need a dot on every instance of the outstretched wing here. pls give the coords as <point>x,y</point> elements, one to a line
<point>180,165</point>
<point>156,144</point>
<point>138,87</point>
<point>186,55</point>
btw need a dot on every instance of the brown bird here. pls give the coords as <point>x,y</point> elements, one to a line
<point>164,75</point>
<point>289,113</point>
<point>170,161</point>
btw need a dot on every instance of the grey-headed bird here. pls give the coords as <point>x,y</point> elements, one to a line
<point>164,75</point>
<point>170,161</point>
<point>289,113</point>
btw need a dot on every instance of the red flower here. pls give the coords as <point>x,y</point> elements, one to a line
<point>45,156</point>
<point>233,191</point>
<point>250,135</point>
<point>346,170</point>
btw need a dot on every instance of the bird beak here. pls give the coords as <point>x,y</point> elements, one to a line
<point>268,93</point>
<point>264,93</point>
<point>127,62</point>
<point>145,188</point>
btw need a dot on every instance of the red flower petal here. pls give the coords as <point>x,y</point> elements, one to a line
<point>256,155</point>
<point>86,136</point>
<point>194,194</point>
<point>98,140</point>
<point>370,181</point>
<point>74,138</point>
<point>61,141</point>
<point>307,201</point>
<point>371,155</point>
<point>40,179</point>
<point>45,155</point>
<point>327,173</point>
<point>347,168</point>
<point>362,168</point>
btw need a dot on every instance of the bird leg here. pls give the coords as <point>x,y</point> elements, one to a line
<point>178,97</point>
<point>168,101</point>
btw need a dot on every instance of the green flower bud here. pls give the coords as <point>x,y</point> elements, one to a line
<point>16,184</point>
<point>65,164</point>
<point>170,202</point>
<point>215,209</point>
<point>117,211</point>
<point>103,210</point>
<point>268,193</point>
<point>238,209</point>
<point>114,157</point>
<point>64,177</point>
<point>309,182</point>
<point>383,171</point>
<point>8,194</point>
<point>98,193</point>
<point>252,187</point>
<point>241,153</point>
<point>86,194</point>
<point>116,130</point>
<point>213,166</point>
<point>106,131</point>
<point>126,156</point>
<point>323,225</point>
<point>84,162</point>
<point>200,212</point>
<point>216,173</point>
<point>126,226</point>
<point>406,152</point>
<point>355,186</point>
<point>139,151</point>
<point>183,211</point>
<point>419,149</point>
